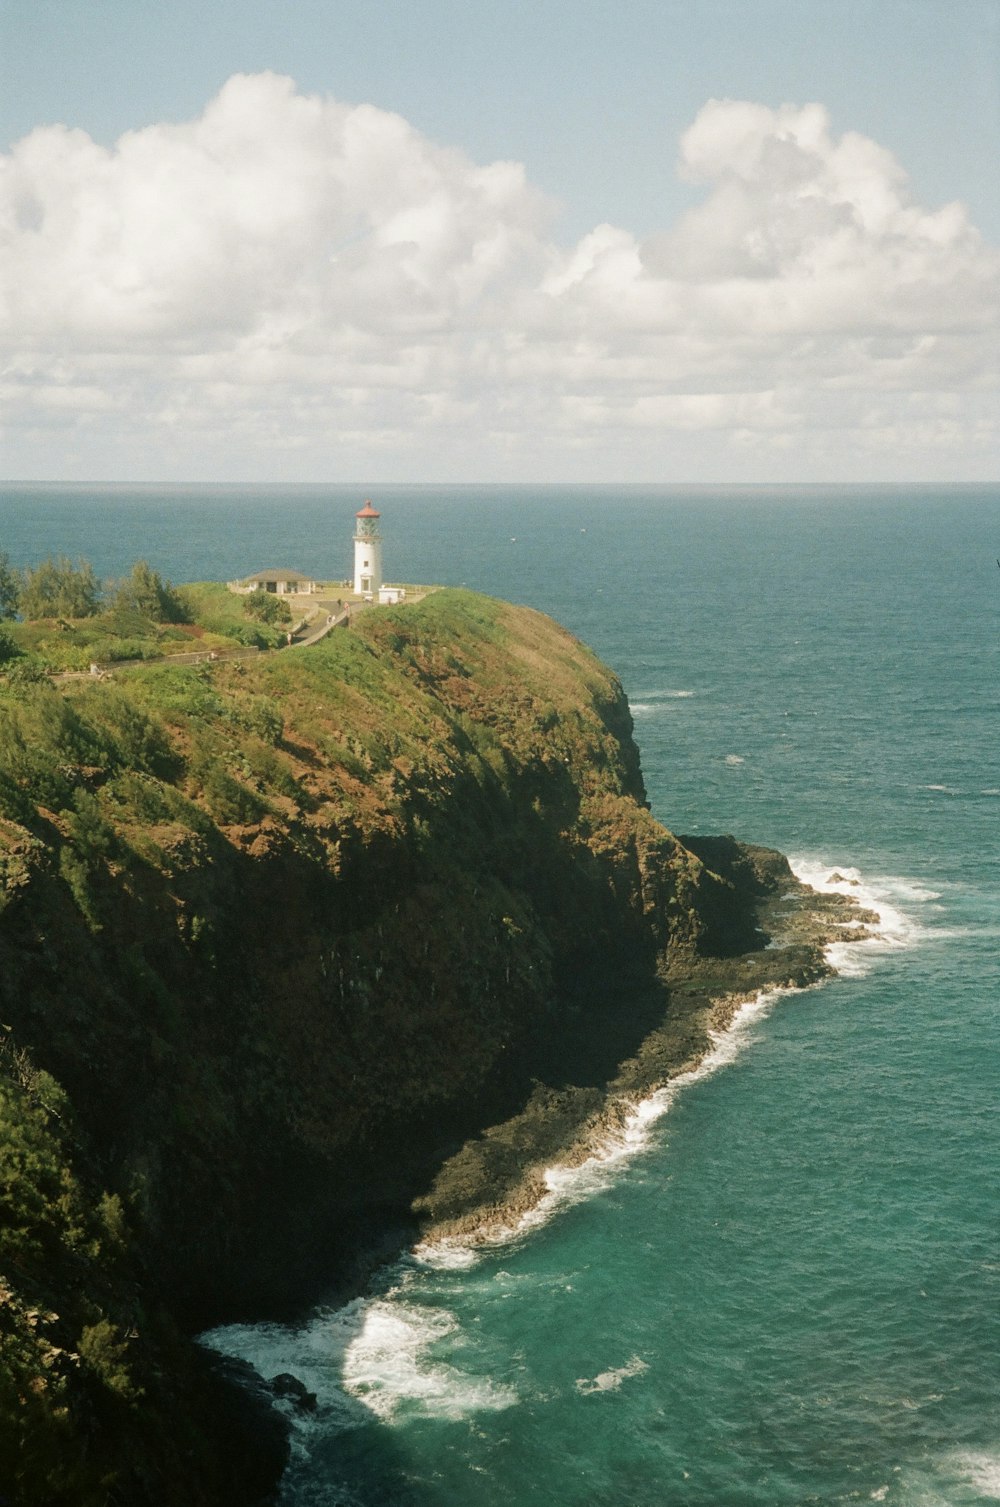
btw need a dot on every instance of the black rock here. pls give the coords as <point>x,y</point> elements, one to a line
<point>293,1390</point>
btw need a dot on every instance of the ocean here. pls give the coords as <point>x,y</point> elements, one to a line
<point>783,1285</point>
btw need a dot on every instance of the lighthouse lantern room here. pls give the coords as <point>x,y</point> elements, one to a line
<point>367,552</point>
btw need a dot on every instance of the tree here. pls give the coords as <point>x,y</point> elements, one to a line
<point>145,592</point>
<point>10,587</point>
<point>58,588</point>
<point>266,607</point>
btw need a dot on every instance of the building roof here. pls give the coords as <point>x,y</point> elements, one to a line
<point>368,511</point>
<point>277,575</point>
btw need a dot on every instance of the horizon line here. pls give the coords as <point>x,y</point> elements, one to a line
<point>374,484</point>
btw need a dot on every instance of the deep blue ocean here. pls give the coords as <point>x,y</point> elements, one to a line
<point>784,1288</point>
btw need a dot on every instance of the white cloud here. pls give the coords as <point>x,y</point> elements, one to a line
<point>288,276</point>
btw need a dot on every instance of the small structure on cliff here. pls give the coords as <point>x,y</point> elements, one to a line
<point>282,582</point>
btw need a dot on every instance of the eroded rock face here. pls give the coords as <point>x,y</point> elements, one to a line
<point>280,979</point>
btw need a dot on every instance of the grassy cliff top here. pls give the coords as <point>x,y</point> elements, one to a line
<point>202,615</point>
<point>343,721</point>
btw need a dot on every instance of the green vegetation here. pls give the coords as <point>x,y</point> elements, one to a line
<point>69,1368</point>
<point>145,595</point>
<point>10,588</point>
<point>223,613</point>
<point>266,607</point>
<point>58,588</point>
<point>55,620</point>
<point>273,928</point>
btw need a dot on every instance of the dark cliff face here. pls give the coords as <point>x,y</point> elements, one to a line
<point>275,941</point>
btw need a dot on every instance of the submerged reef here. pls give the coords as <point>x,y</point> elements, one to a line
<point>305,958</point>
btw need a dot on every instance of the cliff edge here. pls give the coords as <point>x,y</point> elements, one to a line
<point>280,941</point>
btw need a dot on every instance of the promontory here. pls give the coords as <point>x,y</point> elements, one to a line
<point>302,957</point>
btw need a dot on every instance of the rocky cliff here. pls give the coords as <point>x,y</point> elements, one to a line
<point>278,940</point>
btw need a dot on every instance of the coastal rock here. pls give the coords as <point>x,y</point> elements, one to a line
<point>290,1389</point>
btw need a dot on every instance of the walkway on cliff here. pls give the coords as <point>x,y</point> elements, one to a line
<point>311,630</point>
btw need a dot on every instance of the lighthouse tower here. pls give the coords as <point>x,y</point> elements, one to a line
<point>367,552</point>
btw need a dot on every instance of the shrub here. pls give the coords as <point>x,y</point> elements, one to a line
<point>104,1352</point>
<point>22,672</point>
<point>267,607</point>
<point>181,690</point>
<point>142,742</point>
<point>230,802</point>
<point>249,633</point>
<point>256,714</point>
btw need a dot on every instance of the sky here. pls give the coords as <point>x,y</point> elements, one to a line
<point>321,240</point>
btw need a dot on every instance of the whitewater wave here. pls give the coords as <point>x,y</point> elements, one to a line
<point>387,1365</point>
<point>958,1479</point>
<point>610,1381</point>
<point>648,702</point>
<point>371,1357</point>
<point>883,894</point>
<point>982,1471</point>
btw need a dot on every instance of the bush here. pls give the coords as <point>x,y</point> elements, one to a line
<point>120,651</point>
<point>256,714</point>
<point>230,802</point>
<point>104,1352</point>
<point>22,672</point>
<point>267,607</point>
<point>142,741</point>
<point>251,634</point>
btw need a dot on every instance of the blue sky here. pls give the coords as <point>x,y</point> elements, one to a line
<point>593,100</point>
<point>590,95</point>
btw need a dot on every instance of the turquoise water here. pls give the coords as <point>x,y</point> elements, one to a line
<point>784,1288</point>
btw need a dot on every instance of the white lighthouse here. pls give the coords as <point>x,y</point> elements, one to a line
<point>367,552</point>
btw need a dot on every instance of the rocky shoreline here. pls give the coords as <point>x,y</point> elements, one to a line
<point>487,1190</point>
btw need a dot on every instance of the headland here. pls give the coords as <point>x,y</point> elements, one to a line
<point>308,956</point>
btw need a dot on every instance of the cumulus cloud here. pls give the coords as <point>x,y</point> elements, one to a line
<point>288,274</point>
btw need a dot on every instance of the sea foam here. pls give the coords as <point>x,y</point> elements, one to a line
<point>610,1381</point>
<point>957,1479</point>
<point>894,929</point>
<point>371,1357</point>
<point>648,703</point>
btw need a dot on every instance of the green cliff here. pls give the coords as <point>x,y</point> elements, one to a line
<point>277,938</point>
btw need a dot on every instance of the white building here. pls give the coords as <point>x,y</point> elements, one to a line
<point>282,582</point>
<point>367,552</point>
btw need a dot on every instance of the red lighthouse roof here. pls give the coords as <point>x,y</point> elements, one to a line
<point>367,511</point>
